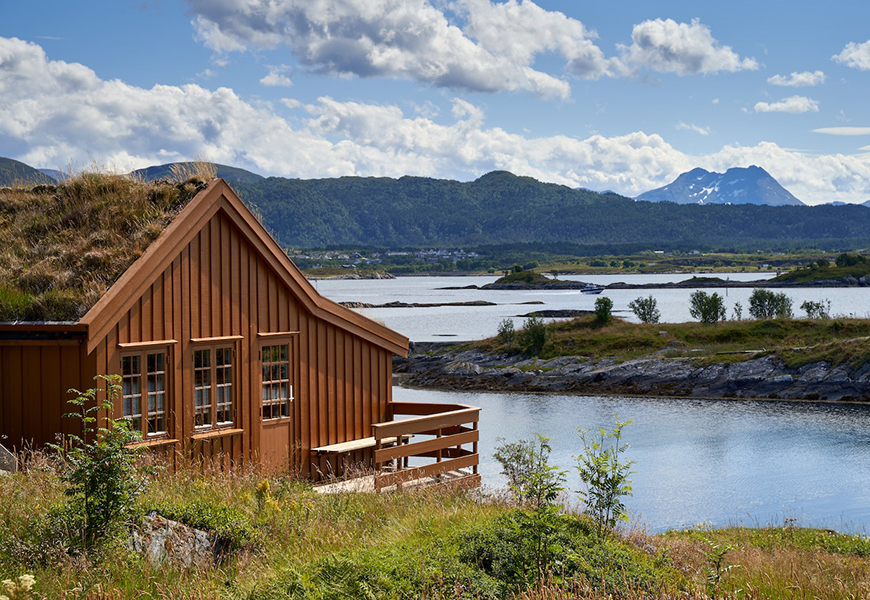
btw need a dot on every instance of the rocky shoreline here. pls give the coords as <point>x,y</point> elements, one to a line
<point>449,367</point>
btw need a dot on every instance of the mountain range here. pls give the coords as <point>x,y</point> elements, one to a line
<point>749,185</point>
<point>500,209</point>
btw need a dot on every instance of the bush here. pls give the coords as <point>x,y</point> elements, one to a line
<point>102,477</point>
<point>531,478</point>
<point>707,308</point>
<point>603,310</point>
<point>817,310</point>
<point>533,335</point>
<point>604,474</point>
<point>764,304</point>
<point>645,309</point>
<point>506,332</point>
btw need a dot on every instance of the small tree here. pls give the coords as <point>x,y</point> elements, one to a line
<point>603,310</point>
<point>533,335</point>
<point>707,308</point>
<point>536,484</point>
<point>817,310</point>
<point>645,309</point>
<point>764,304</point>
<point>604,474</point>
<point>506,332</point>
<point>101,474</point>
<point>738,311</point>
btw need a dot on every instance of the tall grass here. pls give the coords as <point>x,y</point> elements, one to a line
<point>65,245</point>
<point>297,543</point>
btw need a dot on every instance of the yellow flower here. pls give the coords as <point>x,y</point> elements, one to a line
<point>26,581</point>
<point>2,597</point>
<point>9,587</point>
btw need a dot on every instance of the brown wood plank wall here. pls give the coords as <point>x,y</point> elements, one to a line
<point>34,380</point>
<point>219,286</point>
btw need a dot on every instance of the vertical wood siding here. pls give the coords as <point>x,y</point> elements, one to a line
<point>220,286</point>
<point>34,380</point>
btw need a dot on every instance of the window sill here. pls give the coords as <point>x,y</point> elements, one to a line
<point>279,421</point>
<point>215,433</point>
<point>152,443</point>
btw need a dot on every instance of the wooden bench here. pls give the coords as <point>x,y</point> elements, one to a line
<point>360,444</point>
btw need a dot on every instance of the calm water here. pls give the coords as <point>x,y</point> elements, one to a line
<point>718,462</point>
<point>478,322</point>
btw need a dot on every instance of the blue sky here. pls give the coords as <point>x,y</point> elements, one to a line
<point>622,95</point>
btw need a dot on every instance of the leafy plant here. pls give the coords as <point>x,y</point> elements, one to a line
<point>530,476</point>
<point>707,308</point>
<point>506,332</point>
<point>603,310</point>
<point>645,309</point>
<point>817,310</point>
<point>537,484</point>
<point>533,335</point>
<point>715,568</point>
<point>605,474</point>
<point>738,311</point>
<point>764,304</point>
<point>100,466</point>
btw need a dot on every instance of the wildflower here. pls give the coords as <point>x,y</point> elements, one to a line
<point>2,597</point>
<point>9,587</point>
<point>26,581</point>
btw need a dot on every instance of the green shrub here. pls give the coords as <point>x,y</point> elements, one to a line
<point>764,304</point>
<point>645,309</point>
<point>604,474</point>
<point>101,474</point>
<point>533,335</point>
<point>603,310</point>
<point>506,332</point>
<point>817,310</point>
<point>707,308</point>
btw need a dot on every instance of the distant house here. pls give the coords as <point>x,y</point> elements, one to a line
<point>226,352</point>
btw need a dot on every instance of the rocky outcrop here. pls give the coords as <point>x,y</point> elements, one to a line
<point>162,540</point>
<point>764,376</point>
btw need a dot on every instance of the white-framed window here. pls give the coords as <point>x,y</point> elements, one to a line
<point>277,389</point>
<point>213,385</point>
<point>144,396</point>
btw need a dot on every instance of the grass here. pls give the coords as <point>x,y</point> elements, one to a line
<point>65,245</point>
<point>796,341</point>
<point>295,543</point>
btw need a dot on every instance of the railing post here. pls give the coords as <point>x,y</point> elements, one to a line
<point>474,448</point>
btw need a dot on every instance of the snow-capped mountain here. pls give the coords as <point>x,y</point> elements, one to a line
<point>749,185</point>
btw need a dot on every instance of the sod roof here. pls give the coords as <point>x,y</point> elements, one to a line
<point>62,247</point>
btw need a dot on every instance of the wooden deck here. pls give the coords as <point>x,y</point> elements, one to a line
<point>429,444</point>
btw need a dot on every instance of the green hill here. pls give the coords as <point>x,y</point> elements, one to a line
<point>231,174</point>
<point>14,173</point>
<point>501,209</point>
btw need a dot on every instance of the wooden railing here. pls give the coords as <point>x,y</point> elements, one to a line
<point>436,432</point>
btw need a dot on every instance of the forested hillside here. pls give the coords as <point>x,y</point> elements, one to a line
<point>501,208</point>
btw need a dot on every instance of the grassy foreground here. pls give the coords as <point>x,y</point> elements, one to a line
<point>289,542</point>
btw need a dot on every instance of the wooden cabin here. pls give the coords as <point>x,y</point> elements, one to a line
<point>226,351</point>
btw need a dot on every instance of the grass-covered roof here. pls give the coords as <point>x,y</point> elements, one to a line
<point>62,247</point>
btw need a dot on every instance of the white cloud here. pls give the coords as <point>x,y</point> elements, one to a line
<point>277,76</point>
<point>55,114</point>
<point>413,39</point>
<point>802,79</point>
<point>693,127</point>
<point>844,130</point>
<point>855,55</point>
<point>792,104</point>
<point>666,46</point>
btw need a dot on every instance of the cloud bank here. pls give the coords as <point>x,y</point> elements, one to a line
<point>56,113</point>
<point>803,79</point>
<point>793,104</point>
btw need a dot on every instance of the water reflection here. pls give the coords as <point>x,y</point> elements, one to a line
<point>699,461</point>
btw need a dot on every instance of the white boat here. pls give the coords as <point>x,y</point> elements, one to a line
<point>591,288</point>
